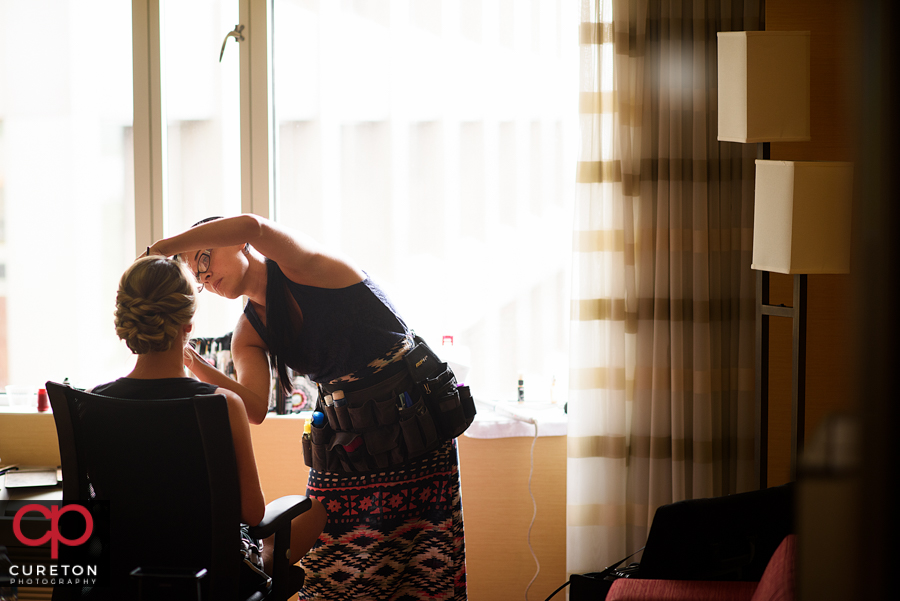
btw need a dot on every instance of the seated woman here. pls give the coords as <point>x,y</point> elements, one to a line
<point>155,304</point>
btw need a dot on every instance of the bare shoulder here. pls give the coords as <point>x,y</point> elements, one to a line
<point>234,402</point>
<point>304,260</point>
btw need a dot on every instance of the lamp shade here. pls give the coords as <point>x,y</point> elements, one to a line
<point>763,86</point>
<point>802,217</point>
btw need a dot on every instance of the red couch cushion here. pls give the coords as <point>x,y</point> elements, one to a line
<point>777,583</point>
<point>628,589</point>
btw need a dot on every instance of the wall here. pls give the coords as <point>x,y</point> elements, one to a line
<point>830,337</point>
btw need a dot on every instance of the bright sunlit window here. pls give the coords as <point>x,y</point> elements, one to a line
<point>432,141</point>
<point>66,188</point>
<point>435,146</point>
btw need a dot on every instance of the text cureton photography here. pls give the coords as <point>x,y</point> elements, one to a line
<point>55,544</point>
<point>52,575</point>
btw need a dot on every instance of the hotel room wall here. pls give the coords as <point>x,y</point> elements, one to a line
<point>830,337</point>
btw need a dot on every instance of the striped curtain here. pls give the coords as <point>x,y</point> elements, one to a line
<point>661,403</point>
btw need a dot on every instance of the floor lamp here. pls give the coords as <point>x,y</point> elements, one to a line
<point>801,226</point>
<point>764,97</point>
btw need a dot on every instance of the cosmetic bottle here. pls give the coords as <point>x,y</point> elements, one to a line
<point>43,401</point>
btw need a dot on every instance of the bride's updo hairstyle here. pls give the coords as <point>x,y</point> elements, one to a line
<point>156,296</point>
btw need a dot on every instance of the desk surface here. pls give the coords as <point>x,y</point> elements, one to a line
<point>509,419</point>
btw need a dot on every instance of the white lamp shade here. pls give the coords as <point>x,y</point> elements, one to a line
<point>763,86</point>
<point>802,217</point>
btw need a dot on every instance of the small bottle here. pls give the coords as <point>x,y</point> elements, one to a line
<point>307,428</point>
<point>317,419</point>
<point>329,400</point>
<point>338,398</point>
<point>43,401</point>
<point>521,391</point>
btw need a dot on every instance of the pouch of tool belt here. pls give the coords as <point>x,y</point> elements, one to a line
<point>389,435</point>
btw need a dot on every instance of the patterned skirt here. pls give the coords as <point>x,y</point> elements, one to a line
<point>393,535</point>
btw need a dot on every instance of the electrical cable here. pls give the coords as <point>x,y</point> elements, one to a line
<point>609,570</point>
<point>534,514</point>
<point>561,587</point>
<point>503,410</point>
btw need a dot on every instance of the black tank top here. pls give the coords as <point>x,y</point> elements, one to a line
<point>148,390</point>
<point>343,329</point>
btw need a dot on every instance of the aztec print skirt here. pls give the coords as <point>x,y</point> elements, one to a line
<point>394,535</point>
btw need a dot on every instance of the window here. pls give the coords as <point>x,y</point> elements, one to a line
<point>432,141</point>
<point>66,184</point>
<point>435,146</point>
<point>203,126</point>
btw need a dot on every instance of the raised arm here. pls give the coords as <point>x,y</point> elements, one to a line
<point>301,258</point>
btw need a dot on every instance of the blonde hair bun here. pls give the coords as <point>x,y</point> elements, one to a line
<point>156,297</point>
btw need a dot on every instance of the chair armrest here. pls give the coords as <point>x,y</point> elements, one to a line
<point>279,513</point>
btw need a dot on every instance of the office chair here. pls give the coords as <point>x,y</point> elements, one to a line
<point>161,476</point>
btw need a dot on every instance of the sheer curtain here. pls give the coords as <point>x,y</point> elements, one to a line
<point>661,398</point>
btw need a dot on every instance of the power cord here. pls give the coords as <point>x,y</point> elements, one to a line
<point>534,514</point>
<point>553,594</point>
<point>503,410</point>
<point>612,570</point>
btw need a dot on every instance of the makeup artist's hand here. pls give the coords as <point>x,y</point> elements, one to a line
<point>188,356</point>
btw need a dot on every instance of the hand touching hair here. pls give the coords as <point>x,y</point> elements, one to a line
<point>156,296</point>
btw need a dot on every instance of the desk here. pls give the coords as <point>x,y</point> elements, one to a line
<point>509,419</point>
<point>497,507</point>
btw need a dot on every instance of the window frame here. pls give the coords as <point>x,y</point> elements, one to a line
<point>150,143</point>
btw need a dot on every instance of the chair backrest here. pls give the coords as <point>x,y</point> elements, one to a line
<point>167,470</point>
<point>720,538</point>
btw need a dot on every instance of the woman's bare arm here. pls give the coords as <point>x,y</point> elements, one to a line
<point>301,258</point>
<point>251,366</point>
<point>253,501</point>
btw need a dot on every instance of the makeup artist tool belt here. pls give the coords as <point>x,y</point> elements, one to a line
<point>406,410</point>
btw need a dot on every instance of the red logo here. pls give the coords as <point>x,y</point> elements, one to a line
<point>53,534</point>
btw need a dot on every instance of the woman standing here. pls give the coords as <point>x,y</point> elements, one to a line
<point>395,528</point>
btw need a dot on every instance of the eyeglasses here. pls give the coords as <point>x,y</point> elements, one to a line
<point>202,267</point>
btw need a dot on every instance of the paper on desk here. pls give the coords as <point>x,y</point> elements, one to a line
<point>25,477</point>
